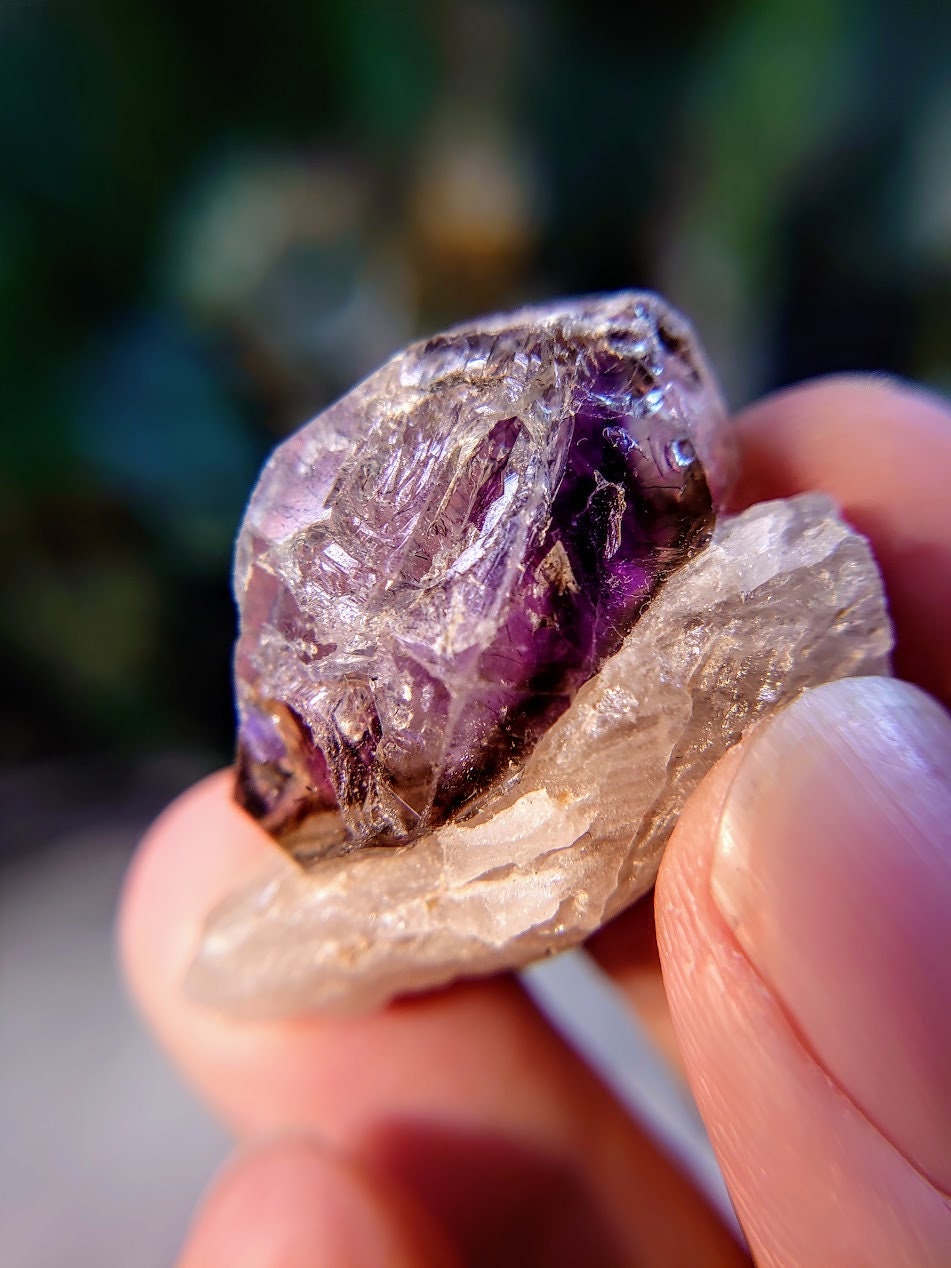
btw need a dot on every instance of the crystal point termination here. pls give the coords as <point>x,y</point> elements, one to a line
<point>431,568</point>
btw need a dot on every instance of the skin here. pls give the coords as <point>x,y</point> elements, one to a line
<point>457,1128</point>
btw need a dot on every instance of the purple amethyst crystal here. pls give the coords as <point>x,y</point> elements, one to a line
<point>431,568</point>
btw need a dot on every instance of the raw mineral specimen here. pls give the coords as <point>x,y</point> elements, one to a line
<point>491,620</point>
<point>430,570</point>
<point>784,597</point>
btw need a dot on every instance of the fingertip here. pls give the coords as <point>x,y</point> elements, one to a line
<point>881,449</point>
<point>198,850</point>
<point>831,867</point>
<point>190,857</point>
<point>793,1100</point>
<point>291,1203</point>
<point>844,433</point>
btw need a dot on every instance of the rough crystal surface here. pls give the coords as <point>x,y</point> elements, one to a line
<point>431,569</point>
<point>785,597</point>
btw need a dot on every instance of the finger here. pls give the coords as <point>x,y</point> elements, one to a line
<point>465,1097</point>
<point>802,914</point>
<point>291,1204</point>
<point>882,451</point>
<point>626,950</point>
<point>351,1093</point>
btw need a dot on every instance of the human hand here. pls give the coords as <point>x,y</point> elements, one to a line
<point>803,918</point>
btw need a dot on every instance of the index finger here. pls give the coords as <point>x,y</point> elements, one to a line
<point>882,451</point>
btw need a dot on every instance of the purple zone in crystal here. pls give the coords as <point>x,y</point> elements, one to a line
<point>429,570</point>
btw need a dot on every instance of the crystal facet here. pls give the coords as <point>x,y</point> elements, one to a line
<point>430,570</point>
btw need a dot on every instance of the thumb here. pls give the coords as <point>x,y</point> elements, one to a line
<point>804,921</point>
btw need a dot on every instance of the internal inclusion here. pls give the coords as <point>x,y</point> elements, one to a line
<point>431,569</point>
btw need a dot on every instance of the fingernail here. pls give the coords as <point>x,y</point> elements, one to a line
<point>833,869</point>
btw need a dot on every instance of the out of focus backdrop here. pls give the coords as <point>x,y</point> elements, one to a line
<point>213,220</point>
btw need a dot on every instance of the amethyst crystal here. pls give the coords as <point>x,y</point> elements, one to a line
<point>431,568</point>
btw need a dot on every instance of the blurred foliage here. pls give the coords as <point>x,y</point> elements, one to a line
<point>215,218</point>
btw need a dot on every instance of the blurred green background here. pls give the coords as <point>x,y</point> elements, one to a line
<point>214,219</point>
